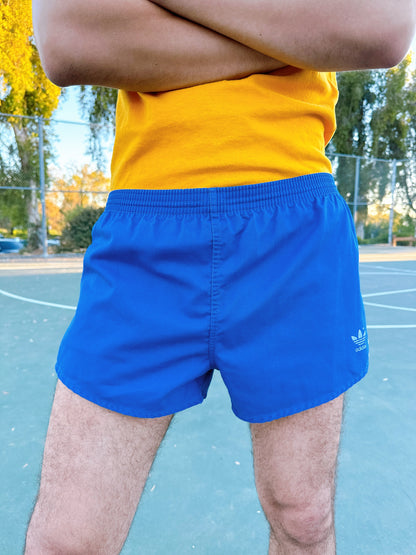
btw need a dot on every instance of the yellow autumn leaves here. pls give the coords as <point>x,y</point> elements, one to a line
<point>24,88</point>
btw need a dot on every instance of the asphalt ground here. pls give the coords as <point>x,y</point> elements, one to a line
<point>200,496</point>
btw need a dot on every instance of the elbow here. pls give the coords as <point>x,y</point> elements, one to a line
<point>391,52</point>
<point>379,42</point>
<point>390,45</point>
<point>57,40</point>
<point>56,70</point>
<point>63,75</point>
<point>55,51</point>
<point>59,69</point>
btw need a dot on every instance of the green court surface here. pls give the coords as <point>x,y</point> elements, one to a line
<point>200,497</point>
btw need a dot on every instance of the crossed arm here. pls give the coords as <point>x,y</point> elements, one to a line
<point>160,45</point>
<point>326,35</point>
<point>135,45</point>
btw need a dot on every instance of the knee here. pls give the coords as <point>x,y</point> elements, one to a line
<point>50,545</point>
<point>57,546</point>
<point>305,523</point>
<point>44,541</point>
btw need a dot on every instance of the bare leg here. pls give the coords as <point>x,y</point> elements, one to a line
<point>94,470</point>
<point>295,465</point>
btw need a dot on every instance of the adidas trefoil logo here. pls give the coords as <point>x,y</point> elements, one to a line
<point>360,341</point>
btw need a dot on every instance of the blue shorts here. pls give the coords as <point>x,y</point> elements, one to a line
<point>258,281</point>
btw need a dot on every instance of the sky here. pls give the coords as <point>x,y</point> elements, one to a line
<point>72,141</point>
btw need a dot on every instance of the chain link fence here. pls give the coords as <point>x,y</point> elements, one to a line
<point>380,193</point>
<point>49,168</point>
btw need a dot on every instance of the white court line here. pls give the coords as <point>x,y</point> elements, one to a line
<point>389,306</point>
<point>401,270</point>
<point>390,326</point>
<point>384,274</point>
<point>382,293</point>
<point>34,301</point>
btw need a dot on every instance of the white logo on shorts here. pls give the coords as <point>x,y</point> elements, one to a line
<point>360,341</point>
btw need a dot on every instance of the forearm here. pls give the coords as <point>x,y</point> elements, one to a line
<point>135,45</point>
<point>327,35</point>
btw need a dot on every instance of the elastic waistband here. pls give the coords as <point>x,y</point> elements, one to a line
<point>222,199</point>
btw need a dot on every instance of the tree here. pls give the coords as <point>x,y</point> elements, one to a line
<point>25,90</point>
<point>376,118</point>
<point>77,191</point>
<point>98,104</point>
<point>357,96</point>
<point>393,127</point>
<point>15,56</point>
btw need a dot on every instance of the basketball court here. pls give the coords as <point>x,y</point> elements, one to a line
<point>200,497</point>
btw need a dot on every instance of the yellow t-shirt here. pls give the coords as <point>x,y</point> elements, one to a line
<point>233,132</point>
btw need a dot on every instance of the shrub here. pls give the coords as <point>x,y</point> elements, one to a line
<point>76,234</point>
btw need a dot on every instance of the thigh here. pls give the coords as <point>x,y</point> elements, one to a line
<point>295,457</point>
<point>95,466</point>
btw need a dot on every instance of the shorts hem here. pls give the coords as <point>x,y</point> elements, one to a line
<point>118,408</point>
<point>261,418</point>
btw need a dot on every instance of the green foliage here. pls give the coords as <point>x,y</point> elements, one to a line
<point>376,112</point>
<point>376,229</point>
<point>13,204</point>
<point>356,101</point>
<point>376,117</point>
<point>98,105</point>
<point>376,232</point>
<point>76,234</point>
<point>19,168</point>
<point>391,120</point>
<point>405,226</point>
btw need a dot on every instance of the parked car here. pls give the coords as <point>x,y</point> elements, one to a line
<point>10,245</point>
<point>54,242</point>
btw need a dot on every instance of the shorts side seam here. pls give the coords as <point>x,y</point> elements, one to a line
<point>214,285</point>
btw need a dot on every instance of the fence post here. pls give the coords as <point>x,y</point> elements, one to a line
<point>356,187</point>
<point>42,187</point>
<point>393,189</point>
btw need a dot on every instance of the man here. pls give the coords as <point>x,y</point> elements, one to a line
<point>238,253</point>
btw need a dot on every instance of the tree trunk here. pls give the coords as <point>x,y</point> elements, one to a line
<point>27,147</point>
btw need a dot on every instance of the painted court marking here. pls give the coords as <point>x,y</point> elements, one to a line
<point>377,270</point>
<point>385,273</point>
<point>390,306</point>
<point>389,293</point>
<point>382,293</point>
<point>390,326</point>
<point>399,270</point>
<point>34,301</point>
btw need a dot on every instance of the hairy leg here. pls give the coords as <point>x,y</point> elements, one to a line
<point>94,470</point>
<point>295,465</point>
